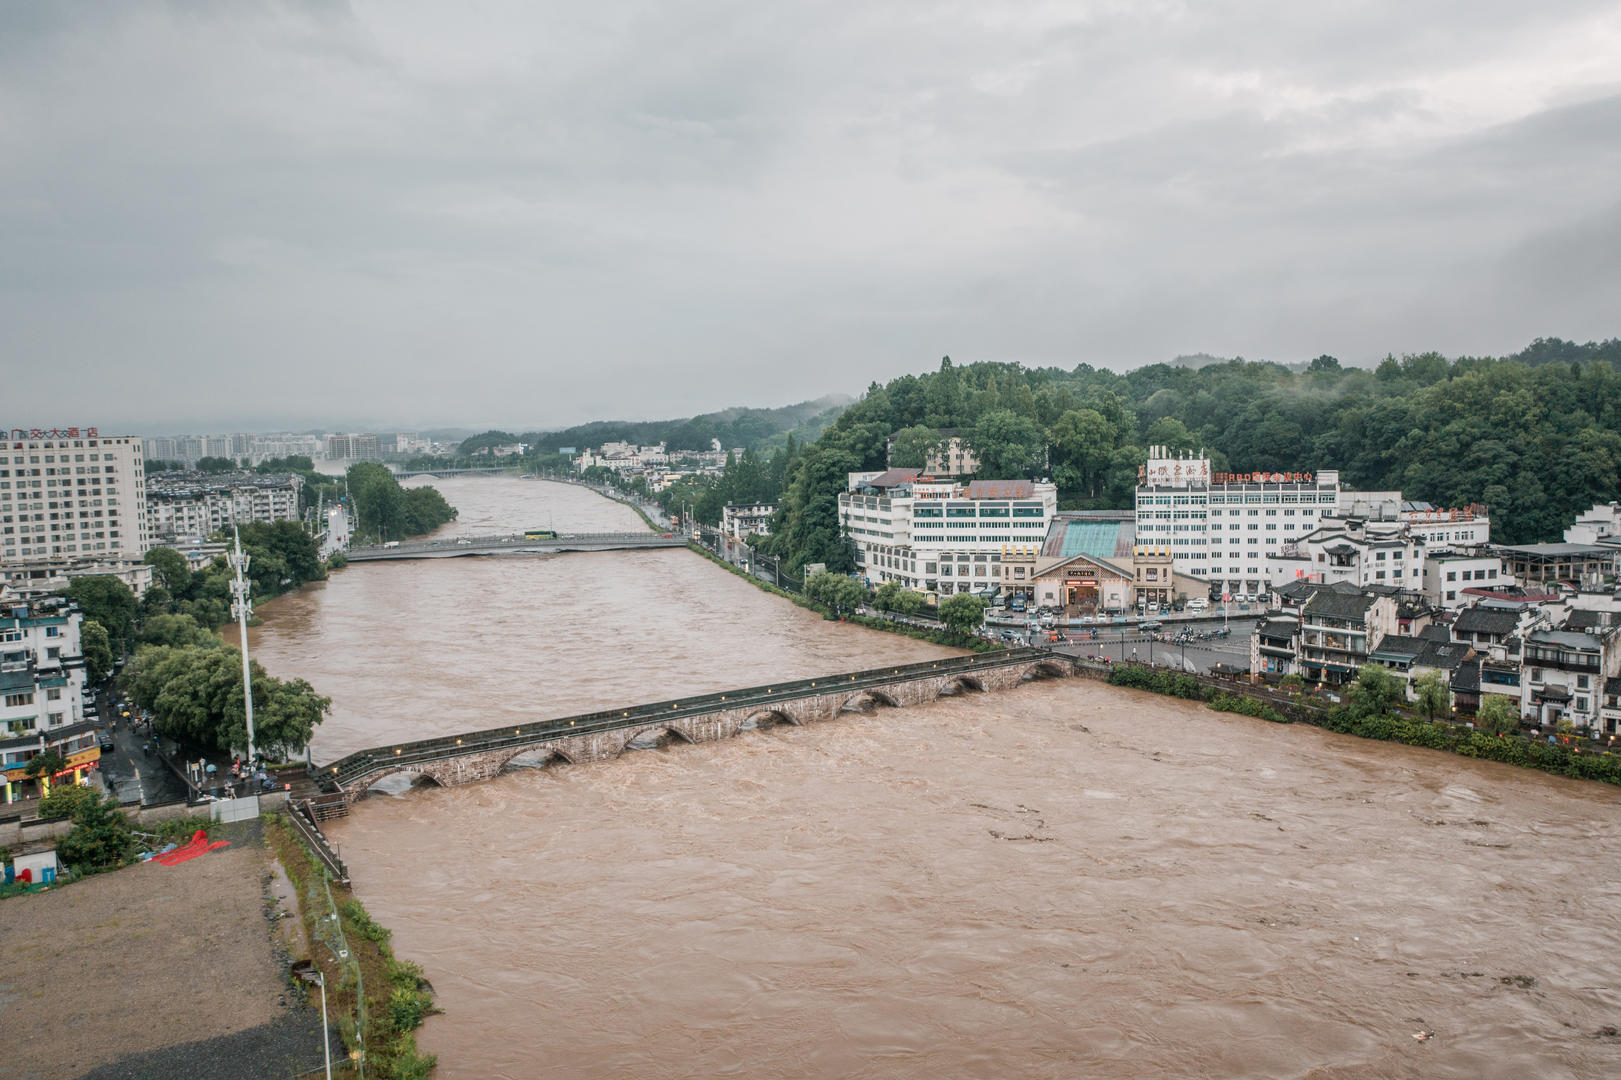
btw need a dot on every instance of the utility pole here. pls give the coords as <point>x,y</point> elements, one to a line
<point>242,607</point>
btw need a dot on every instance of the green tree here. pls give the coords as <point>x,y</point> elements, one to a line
<point>1376,691</point>
<point>912,446</point>
<point>892,596</point>
<point>840,592</point>
<point>1498,714</point>
<point>1007,445</point>
<point>1432,694</point>
<point>109,602</point>
<point>1082,443</point>
<point>215,465</point>
<point>96,647</point>
<point>170,569</point>
<point>45,764</point>
<point>65,800</point>
<point>101,837</point>
<point>962,613</point>
<point>176,631</point>
<point>195,694</point>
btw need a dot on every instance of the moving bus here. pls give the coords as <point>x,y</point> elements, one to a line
<point>539,534</point>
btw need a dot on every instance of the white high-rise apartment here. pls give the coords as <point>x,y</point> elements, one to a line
<point>1222,526</point>
<point>71,493</point>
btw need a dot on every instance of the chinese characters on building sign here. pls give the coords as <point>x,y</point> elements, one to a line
<point>1175,472</point>
<point>1263,478</point>
<point>54,433</point>
<point>1183,473</point>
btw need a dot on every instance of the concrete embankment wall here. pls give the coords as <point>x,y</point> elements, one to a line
<point>32,831</point>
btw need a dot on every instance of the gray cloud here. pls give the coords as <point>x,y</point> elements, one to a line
<point>227,212</point>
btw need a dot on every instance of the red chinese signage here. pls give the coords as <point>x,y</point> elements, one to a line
<point>1261,478</point>
<point>54,433</point>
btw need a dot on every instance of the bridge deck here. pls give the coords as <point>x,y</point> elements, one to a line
<point>358,765</point>
<point>488,545</point>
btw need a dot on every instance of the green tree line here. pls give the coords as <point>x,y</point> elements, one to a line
<point>733,428</point>
<point>386,511</point>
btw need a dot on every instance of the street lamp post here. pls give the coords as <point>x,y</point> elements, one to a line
<point>242,607</point>
<point>311,973</point>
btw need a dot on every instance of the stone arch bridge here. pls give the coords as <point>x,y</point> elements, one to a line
<point>599,736</point>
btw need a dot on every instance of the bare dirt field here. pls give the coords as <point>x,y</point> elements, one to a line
<point>162,970</point>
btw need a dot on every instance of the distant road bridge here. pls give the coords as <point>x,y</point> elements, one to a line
<point>598,736</point>
<point>488,470</point>
<point>513,545</point>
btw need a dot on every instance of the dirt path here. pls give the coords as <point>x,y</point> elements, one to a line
<point>149,957</point>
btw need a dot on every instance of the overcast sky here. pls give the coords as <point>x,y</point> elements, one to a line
<point>402,214</point>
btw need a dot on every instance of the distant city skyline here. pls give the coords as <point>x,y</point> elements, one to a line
<point>322,214</point>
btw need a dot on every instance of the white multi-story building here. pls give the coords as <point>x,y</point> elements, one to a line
<point>742,520</point>
<point>935,536</point>
<point>1563,674</point>
<point>1351,550</point>
<point>1600,524</point>
<point>200,504</point>
<point>1450,573</point>
<point>264,447</point>
<point>1439,528</point>
<point>189,448</point>
<point>42,706</point>
<point>1222,526</point>
<point>624,457</point>
<point>70,494</point>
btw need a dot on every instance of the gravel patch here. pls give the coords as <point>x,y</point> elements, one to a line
<point>284,1048</point>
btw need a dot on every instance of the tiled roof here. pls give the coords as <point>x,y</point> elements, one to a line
<point>1476,620</point>
<point>1444,656</point>
<point>1466,678</point>
<point>1338,605</point>
<point>893,478</point>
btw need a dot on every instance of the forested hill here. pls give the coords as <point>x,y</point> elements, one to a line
<point>1536,437</point>
<point>734,427</point>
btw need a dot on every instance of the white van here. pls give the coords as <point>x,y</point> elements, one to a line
<point>1198,603</point>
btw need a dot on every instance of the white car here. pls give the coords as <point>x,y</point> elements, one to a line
<point>1198,603</point>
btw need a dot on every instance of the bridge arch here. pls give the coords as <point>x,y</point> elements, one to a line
<point>654,737</point>
<point>867,700</point>
<point>544,754</point>
<point>766,718</point>
<point>1048,669</point>
<point>961,683</point>
<point>359,789</point>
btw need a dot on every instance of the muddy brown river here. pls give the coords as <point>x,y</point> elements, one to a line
<point>1062,880</point>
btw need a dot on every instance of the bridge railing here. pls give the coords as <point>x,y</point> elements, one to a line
<point>364,762</point>
<point>508,540</point>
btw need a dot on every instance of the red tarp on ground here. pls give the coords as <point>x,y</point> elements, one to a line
<point>198,845</point>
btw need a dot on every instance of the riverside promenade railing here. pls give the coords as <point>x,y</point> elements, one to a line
<point>358,765</point>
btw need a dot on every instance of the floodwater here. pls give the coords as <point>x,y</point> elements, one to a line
<point>1057,881</point>
<point>1061,880</point>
